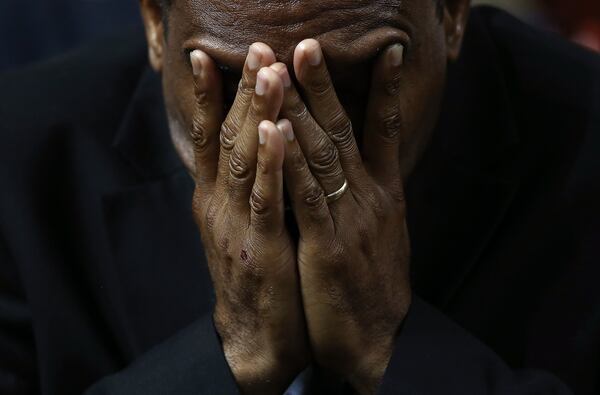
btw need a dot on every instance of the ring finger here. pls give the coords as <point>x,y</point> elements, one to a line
<point>308,200</point>
<point>321,153</point>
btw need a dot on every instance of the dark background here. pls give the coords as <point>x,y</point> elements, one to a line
<point>31,30</point>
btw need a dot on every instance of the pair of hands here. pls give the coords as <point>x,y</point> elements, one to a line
<point>338,296</point>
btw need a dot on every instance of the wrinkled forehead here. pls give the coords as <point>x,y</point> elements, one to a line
<point>349,30</point>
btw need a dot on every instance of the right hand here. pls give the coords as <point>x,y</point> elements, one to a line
<point>238,205</point>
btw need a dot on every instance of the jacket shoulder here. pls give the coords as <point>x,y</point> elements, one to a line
<point>542,64</point>
<point>82,92</point>
<point>554,90</point>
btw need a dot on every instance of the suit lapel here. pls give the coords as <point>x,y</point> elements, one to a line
<point>465,183</point>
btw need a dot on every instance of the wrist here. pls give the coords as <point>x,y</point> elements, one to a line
<point>370,366</point>
<point>261,370</point>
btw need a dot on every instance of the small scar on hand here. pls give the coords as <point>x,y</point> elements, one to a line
<point>244,256</point>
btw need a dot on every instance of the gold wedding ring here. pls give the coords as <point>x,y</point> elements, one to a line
<point>337,195</point>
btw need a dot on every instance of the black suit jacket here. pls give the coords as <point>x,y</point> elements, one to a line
<point>103,280</point>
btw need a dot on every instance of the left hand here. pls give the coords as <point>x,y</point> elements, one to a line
<point>353,253</point>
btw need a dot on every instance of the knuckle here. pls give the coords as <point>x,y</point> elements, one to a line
<point>246,90</point>
<point>202,101</point>
<point>259,204</point>
<point>199,134</point>
<point>392,86</point>
<point>340,128</point>
<point>246,87</point>
<point>391,124</point>
<point>297,108</point>
<point>238,167</point>
<point>313,195</point>
<point>227,136</point>
<point>324,156</point>
<point>262,166</point>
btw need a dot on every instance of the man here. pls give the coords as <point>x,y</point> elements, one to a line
<point>476,168</point>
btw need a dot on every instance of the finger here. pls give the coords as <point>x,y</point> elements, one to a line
<point>317,87</point>
<point>321,153</point>
<point>266,201</point>
<point>308,200</point>
<point>266,104</point>
<point>383,128</point>
<point>259,55</point>
<point>207,117</point>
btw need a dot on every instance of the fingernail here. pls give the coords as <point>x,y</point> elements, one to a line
<point>285,77</point>
<point>396,55</point>
<point>263,132</point>
<point>261,83</point>
<point>313,52</point>
<point>196,60</point>
<point>253,60</point>
<point>285,127</point>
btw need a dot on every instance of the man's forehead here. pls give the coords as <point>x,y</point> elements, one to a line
<point>352,29</point>
<point>289,5</point>
<point>287,14</point>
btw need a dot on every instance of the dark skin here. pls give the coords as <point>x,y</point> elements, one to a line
<point>356,103</point>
